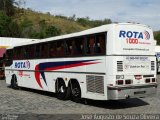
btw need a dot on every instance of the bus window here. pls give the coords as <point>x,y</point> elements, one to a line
<point>75,46</point>
<point>37,51</point>
<point>60,48</point>
<point>21,53</point>
<point>18,53</point>
<point>44,50</point>
<point>31,51</point>
<point>68,46</point>
<point>78,46</point>
<point>26,52</point>
<point>96,44</point>
<point>100,44</point>
<point>9,54</point>
<point>9,57</point>
<point>15,56</point>
<point>52,49</point>
<point>90,45</point>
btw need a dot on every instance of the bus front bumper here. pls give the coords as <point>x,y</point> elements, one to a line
<point>124,92</point>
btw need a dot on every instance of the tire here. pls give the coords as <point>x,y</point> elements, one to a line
<point>14,83</point>
<point>62,92</point>
<point>76,92</point>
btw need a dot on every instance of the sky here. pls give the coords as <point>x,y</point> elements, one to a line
<point>138,11</point>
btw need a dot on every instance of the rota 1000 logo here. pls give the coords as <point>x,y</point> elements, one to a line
<point>132,37</point>
<point>25,64</point>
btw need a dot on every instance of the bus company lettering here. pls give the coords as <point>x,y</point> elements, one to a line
<point>25,64</point>
<point>132,37</point>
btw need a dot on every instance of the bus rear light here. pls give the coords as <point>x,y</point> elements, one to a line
<point>153,79</point>
<point>147,80</point>
<point>128,82</point>
<point>119,82</point>
<point>138,77</point>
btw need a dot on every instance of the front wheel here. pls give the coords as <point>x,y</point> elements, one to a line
<point>14,83</point>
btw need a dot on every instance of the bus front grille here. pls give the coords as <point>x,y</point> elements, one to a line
<point>95,84</point>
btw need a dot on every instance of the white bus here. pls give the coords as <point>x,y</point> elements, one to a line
<point>110,62</point>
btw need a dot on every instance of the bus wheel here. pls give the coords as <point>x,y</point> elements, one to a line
<point>61,90</point>
<point>14,83</point>
<point>75,92</point>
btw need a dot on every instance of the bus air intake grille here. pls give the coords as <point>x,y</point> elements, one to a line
<point>120,66</point>
<point>95,84</point>
<point>152,66</point>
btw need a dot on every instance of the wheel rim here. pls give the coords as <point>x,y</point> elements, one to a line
<point>61,89</point>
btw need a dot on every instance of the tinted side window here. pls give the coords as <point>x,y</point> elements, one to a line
<point>96,44</point>
<point>9,54</point>
<point>60,48</point>
<point>29,51</point>
<point>100,45</point>
<point>52,49</point>
<point>75,46</point>
<point>44,50</point>
<point>18,53</point>
<point>91,40</point>
<point>37,51</point>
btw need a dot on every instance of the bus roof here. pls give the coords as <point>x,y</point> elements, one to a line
<point>102,28</point>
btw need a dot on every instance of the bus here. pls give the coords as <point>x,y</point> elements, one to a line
<point>109,62</point>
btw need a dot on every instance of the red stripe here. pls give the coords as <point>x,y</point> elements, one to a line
<point>37,75</point>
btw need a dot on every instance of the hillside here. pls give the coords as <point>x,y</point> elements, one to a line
<point>66,26</point>
<point>36,22</point>
<point>26,23</point>
<point>39,25</point>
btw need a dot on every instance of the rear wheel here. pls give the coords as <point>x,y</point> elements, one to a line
<point>75,92</point>
<point>62,92</point>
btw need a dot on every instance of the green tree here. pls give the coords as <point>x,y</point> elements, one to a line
<point>8,28</point>
<point>157,37</point>
<point>14,29</point>
<point>7,6</point>
<point>52,31</point>
<point>4,22</point>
